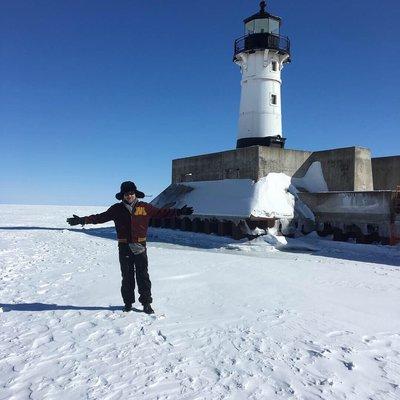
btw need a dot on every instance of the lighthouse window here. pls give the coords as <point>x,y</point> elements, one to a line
<point>274,99</point>
<point>274,26</point>
<point>274,66</point>
<point>261,25</point>
<point>250,27</point>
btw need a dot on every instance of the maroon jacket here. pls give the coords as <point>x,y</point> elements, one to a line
<point>131,228</point>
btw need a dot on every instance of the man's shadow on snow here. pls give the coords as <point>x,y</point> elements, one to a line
<point>55,307</point>
<point>108,233</point>
<point>339,250</point>
<point>155,235</point>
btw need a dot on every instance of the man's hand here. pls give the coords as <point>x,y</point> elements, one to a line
<point>185,210</point>
<point>76,220</point>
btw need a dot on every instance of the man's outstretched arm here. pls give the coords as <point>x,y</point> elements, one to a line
<point>169,212</point>
<point>92,219</point>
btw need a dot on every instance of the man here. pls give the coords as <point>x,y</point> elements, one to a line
<point>131,218</point>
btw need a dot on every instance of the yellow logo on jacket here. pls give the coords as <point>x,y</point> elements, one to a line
<point>140,211</point>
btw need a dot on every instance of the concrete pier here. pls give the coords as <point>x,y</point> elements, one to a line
<point>343,169</point>
<point>365,216</point>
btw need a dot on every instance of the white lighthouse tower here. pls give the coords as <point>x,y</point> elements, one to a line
<point>261,54</point>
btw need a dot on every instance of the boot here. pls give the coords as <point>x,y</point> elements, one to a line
<point>147,308</point>
<point>127,308</point>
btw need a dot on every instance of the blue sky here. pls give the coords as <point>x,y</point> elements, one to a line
<point>96,92</point>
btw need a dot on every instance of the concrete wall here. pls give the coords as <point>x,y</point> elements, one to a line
<point>232,164</point>
<point>343,169</point>
<point>252,162</point>
<point>371,206</point>
<point>386,172</point>
<point>275,159</point>
<point>371,211</point>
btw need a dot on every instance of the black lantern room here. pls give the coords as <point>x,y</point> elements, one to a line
<point>262,32</point>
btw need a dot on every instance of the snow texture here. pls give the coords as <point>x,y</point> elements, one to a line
<point>271,318</point>
<point>270,197</point>
<point>313,181</point>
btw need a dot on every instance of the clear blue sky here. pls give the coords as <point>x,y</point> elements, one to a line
<point>96,92</point>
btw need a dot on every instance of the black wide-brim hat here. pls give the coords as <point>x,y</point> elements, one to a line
<point>127,187</point>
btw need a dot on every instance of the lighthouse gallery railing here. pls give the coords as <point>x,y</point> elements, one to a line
<point>261,41</point>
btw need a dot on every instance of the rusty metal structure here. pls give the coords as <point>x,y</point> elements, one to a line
<point>221,226</point>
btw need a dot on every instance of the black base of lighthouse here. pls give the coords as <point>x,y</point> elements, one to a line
<point>269,141</point>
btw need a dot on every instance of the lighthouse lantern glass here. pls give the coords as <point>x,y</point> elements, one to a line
<point>273,26</point>
<point>249,27</point>
<point>262,25</point>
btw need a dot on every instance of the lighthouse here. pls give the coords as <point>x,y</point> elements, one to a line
<point>261,54</point>
<point>242,185</point>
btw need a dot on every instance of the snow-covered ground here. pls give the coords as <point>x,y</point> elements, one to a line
<point>310,319</point>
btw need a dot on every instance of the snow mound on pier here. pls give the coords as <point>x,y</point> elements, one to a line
<point>270,197</point>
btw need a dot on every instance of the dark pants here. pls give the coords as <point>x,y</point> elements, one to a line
<point>132,265</point>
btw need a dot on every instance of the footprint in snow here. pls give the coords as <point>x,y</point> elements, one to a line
<point>315,354</point>
<point>157,317</point>
<point>159,333</point>
<point>346,349</point>
<point>41,341</point>
<point>349,365</point>
<point>368,339</point>
<point>84,325</point>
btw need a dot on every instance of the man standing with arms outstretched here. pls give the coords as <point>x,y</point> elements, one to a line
<point>131,217</point>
